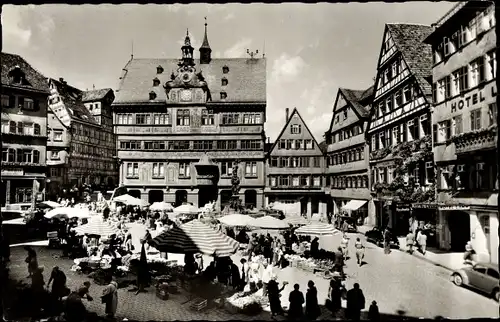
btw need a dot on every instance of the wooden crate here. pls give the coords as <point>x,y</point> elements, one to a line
<point>199,304</point>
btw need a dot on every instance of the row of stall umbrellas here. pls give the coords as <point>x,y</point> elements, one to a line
<point>268,222</point>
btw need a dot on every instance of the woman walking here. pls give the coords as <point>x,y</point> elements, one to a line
<point>344,243</point>
<point>360,251</point>
<point>335,294</point>
<point>110,298</point>
<point>58,278</point>
<point>274,294</point>
<point>312,307</point>
<point>31,260</point>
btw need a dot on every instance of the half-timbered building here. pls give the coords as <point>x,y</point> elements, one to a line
<point>295,167</point>
<point>399,132</point>
<point>465,128</point>
<point>80,150</point>
<point>347,155</point>
<point>24,130</point>
<point>168,113</point>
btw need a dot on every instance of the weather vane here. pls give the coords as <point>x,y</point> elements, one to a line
<point>251,53</point>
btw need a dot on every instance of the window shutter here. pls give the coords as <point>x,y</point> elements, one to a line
<point>36,156</point>
<point>434,133</point>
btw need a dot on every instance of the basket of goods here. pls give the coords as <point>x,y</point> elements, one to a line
<point>198,304</point>
<point>253,308</point>
<point>162,292</point>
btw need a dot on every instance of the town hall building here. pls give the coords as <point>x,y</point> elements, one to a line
<point>177,120</point>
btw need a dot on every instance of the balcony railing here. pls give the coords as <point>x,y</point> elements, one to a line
<point>290,187</point>
<point>482,139</point>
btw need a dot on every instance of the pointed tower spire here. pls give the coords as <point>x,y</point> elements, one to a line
<point>205,50</point>
<point>187,51</point>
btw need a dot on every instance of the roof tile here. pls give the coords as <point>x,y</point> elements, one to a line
<point>72,99</point>
<point>408,39</point>
<point>34,78</point>
<point>95,95</point>
<point>246,79</point>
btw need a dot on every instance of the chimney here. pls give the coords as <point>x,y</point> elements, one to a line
<point>287,111</point>
<point>61,79</point>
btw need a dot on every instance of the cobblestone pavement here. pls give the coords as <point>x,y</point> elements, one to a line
<point>398,282</point>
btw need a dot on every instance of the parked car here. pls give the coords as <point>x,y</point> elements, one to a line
<point>376,236</point>
<point>482,277</point>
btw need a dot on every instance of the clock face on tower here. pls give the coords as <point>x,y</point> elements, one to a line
<point>186,95</point>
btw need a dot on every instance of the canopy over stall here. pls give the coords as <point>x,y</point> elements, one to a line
<point>131,201</point>
<point>317,229</point>
<point>195,237</point>
<point>66,212</point>
<point>161,206</point>
<point>237,220</point>
<point>354,205</point>
<point>97,226</point>
<point>268,222</point>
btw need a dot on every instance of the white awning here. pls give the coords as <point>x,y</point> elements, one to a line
<point>354,204</point>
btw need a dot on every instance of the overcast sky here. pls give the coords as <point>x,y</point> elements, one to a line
<point>311,49</point>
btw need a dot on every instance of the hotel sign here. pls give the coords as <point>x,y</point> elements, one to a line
<point>474,98</point>
<point>13,172</point>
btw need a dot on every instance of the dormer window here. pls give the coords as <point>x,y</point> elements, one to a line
<point>223,95</point>
<point>225,69</point>
<point>224,81</point>
<point>17,75</point>
<point>159,69</point>
<point>152,95</point>
<point>156,82</point>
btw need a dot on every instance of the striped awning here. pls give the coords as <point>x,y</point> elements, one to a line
<point>195,237</point>
<point>317,229</point>
<point>97,226</point>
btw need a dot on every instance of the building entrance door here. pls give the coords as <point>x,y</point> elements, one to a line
<point>459,225</point>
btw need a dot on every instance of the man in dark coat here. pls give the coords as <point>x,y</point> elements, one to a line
<point>296,300</point>
<point>355,303</point>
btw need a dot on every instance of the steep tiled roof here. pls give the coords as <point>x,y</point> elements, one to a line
<point>72,99</point>
<point>246,79</point>
<point>95,95</point>
<point>359,99</point>
<point>408,39</point>
<point>33,78</point>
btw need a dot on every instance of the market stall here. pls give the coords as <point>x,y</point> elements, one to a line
<point>296,220</point>
<point>131,201</point>
<point>268,222</point>
<point>161,206</point>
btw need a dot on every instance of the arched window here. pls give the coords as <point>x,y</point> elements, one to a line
<point>225,69</point>
<point>223,95</point>
<point>12,127</point>
<point>224,81</point>
<point>36,129</point>
<point>36,156</point>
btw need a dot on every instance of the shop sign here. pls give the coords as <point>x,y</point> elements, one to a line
<point>473,99</point>
<point>454,207</point>
<point>424,206</point>
<point>403,207</point>
<point>13,172</point>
